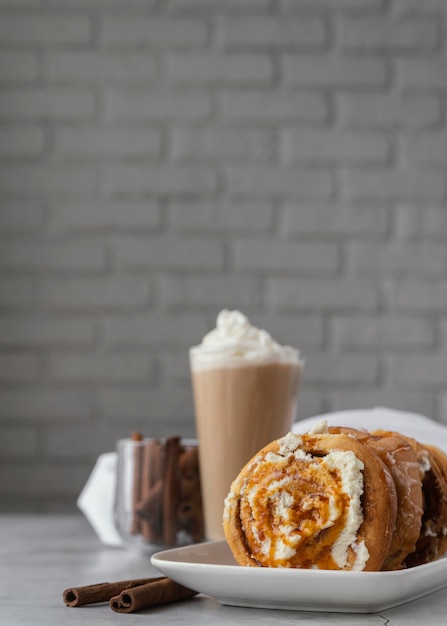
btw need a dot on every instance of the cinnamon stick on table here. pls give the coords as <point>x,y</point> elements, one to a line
<point>127,596</point>
<point>101,592</point>
<point>161,591</point>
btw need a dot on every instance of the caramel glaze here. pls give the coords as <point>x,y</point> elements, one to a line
<point>314,533</point>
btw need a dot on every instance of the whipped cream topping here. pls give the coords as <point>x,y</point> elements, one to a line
<point>237,342</point>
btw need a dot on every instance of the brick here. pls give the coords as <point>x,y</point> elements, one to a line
<point>303,294</point>
<point>417,402</point>
<point>275,255</point>
<point>93,215</point>
<point>19,142</point>
<point>45,404</point>
<point>82,442</point>
<point>299,331</point>
<point>120,67</point>
<point>337,369</point>
<point>311,401</point>
<point>424,149</point>
<point>422,222</point>
<point>131,31</point>
<point>54,257</point>
<point>179,6</point>
<point>418,296</point>
<point>330,145</point>
<point>49,30</point>
<point>18,367</point>
<point>334,71</point>
<point>96,294</point>
<point>90,368</point>
<point>168,253</point>
<point>47,104</point>
<point>168,179</point>
<point>106,142</point>
<point>17,292</point>
<point>18,67</point>
<point>411,222</point>
<point>278,31</point>
<point>442,338</point>
<point>215,68</point>
<point>422,73</point>
<point>387,184</point>
<point>47,480</point>
<point>284,181</point>
<point>39,178</point>
<point>442,410</point>
<point>19,216</point>
<point>422,370</point>
<point>125,404</point>
<point>155,106</point>
<point>175,368</point>
<point>18,443</point>
<point>210,292</point>
<point>356,5</point>
<point>271,107</point>
<point>388,332</point>
<point>131,5</point>
<point>154,329</point>
<point>402,258</point>
<point>320,220</point>
<point>384,34</point>
<point>389,110</point>
<point>19,3</point>
<point>211,217</point>
<point>228,143</point>
<point>35,330</point>
<point>410,6</point>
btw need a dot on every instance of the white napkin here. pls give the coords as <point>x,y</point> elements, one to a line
<point>97,498</point>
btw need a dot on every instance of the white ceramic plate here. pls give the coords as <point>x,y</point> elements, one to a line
<point>210,568</point>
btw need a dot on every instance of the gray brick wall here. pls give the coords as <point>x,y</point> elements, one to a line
<point>161,160</point>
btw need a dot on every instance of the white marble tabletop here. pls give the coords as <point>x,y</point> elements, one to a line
<point>41,555</point>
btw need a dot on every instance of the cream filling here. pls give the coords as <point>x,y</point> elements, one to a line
<point>349,468</point>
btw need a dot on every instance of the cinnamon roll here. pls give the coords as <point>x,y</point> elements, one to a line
<point>318,500</point>
<point>340,498</point>
<point>401,459</point>
<point>432,540</point>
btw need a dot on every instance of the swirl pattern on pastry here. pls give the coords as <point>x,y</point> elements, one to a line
<point>317,500</point>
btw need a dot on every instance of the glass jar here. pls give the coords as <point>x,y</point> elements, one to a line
<point>158,495</point>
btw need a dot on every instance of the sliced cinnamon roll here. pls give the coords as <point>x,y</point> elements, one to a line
<point>317,500</point>
<point>401,459</point>
<point>432,541</point>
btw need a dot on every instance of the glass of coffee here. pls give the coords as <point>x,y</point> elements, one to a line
<point>245,388</point>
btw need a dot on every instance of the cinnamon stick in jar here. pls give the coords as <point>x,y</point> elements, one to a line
<point>150,505</point>
<point>171,490</point>
<point>137,481</point>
